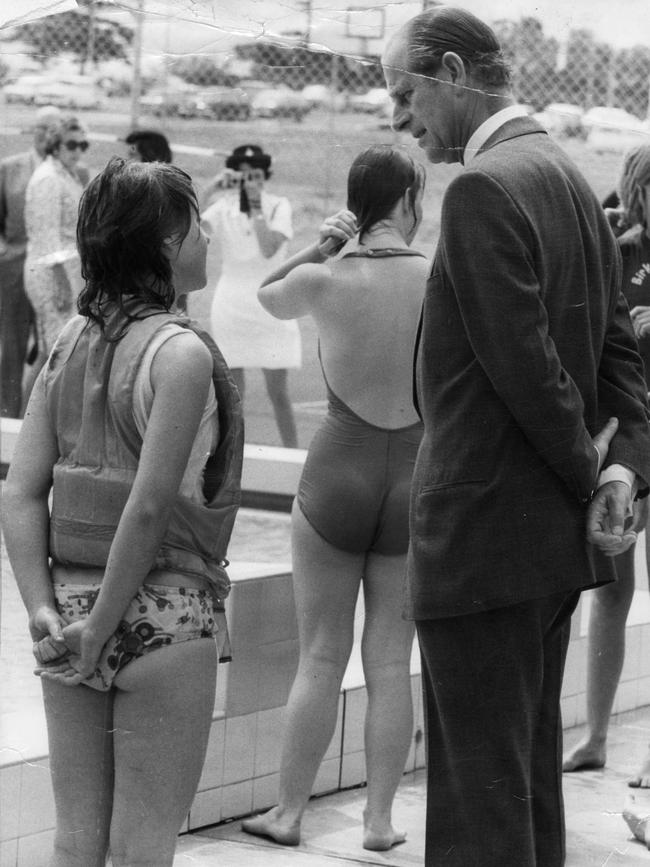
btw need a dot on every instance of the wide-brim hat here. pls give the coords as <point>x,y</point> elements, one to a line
<point>251,154</point>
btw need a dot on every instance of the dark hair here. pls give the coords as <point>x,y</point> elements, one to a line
<point>125,215</point>
<point>151,145</point>
<point>447,28</point>
<point>251,154</point>
<point>56,132</point>
<point>634,176</point>
<point>377,180</point>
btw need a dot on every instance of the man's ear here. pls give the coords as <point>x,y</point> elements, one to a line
<point>455,67</point>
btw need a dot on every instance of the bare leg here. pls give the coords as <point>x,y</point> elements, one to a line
<point>386,653</point>
<point>605,656</point>
<point>326,585</point>
<point>642,778</point>
<point>276,386</point>
<point>637,819</point>
<point>163,712</point>
<point>79,726</point>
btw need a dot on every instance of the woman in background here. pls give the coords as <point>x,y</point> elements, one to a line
<point>350,517</point>
<point>52,271</point>
<point>610,604</point>
<point>253,228</point>
<point>124,582</point>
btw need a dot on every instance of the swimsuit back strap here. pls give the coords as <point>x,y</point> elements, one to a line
<point>382,253</point>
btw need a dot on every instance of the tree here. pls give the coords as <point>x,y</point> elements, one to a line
<point>532,57</point>
<point>198,69</point>
<point>632,76</point>
<point>298,65</point>
<point>81,32</point>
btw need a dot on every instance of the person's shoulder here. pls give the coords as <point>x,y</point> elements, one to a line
<point>631,241</point>
<point>312,275</point>
<point>183,355</point>
<point>45,169</point>
<point>15,160</point>
<point>474,183</point>
<point>224,202</point>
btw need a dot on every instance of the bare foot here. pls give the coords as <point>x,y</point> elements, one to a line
<point>270,825</point>
<point>380,841</point>
<point>637,819</point>
<point>585,756</point>
<point>642,779</point>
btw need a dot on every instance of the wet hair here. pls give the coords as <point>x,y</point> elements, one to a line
<point>447,28</point>
<point>151,145</point>
<point>57,131</point>
<point>377,180</point>
<point>634,175</point>
<point>126,214</point>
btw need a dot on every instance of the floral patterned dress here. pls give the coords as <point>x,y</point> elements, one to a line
<point>52,269</point>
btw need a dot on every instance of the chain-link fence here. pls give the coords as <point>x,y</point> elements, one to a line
<point>130,64</point>
<point>99,56</point>
<point>312,107</point>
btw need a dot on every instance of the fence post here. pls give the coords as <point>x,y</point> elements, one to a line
<point>136,86</point>
<point>334,88</point>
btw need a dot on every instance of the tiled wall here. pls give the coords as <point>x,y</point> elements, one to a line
<point>242,763</point>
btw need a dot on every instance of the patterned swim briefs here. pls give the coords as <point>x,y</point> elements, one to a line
<point>157,616</point>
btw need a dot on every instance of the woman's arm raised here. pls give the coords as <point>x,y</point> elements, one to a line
<point>289,290</point>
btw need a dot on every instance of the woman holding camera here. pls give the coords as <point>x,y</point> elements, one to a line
<point>253,228</point>
<point>350,517</point>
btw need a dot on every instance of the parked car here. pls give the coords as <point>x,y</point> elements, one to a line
<point>320,96</point>
<point>164,100</point>
<point>374,101</point>
<point>221,103</point>
<point>279,102</point>
<point>562,119</point>
<point>611,128</point>
<point>23,88</point>
<point>66,91</point>
<point>71,92</point>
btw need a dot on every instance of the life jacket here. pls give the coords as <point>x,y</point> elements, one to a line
<point>89,382</point>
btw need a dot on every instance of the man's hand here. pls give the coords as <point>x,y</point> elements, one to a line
<point>609,525</point>
<point>603,439</point>
<point>640,317</point>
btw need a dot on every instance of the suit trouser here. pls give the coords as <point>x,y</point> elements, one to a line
<point>492,683</point>
<point>16,316</point>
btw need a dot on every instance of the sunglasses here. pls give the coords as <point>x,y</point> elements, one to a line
<point>73,145</point>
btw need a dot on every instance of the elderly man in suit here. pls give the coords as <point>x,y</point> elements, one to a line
<point>16,314</point>
<point>531,390</point>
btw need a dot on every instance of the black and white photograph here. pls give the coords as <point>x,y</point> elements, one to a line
<point>324,433</point>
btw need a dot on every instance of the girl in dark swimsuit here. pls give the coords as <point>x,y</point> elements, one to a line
<point>350,518</point>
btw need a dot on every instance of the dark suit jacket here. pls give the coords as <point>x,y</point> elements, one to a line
<point>526,350</point>
<point>15,172</point>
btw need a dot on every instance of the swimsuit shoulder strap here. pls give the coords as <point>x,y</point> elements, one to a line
<point>382,253</point>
